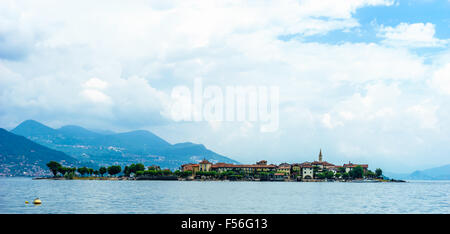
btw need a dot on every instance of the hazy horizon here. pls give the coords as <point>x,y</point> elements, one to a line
<point>366,81</point>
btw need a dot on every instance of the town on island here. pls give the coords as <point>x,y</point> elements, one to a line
<point>316,171</point>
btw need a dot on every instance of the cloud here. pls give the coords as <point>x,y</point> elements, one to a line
<point>106,64</point>
<point>441,79</point>
<point>95,83</point>
<point>411,35</point>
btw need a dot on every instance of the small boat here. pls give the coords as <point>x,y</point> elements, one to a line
<point>37,201</point>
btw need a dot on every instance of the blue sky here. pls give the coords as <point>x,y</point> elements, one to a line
<point>365,80</point>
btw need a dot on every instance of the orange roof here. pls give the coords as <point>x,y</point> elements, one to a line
<point>324,163</point>
<point>229,165</point>
<point>355,165</point>
<point>204,161</point>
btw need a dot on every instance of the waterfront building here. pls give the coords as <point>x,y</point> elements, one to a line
<point>348,167</point>
<point>279,176</point>
<point>260,166</point>
<point>307,171</point>
<point>298,171</point>
<point>190,167</point>
<point>284,168</point>
<point>205,165</point>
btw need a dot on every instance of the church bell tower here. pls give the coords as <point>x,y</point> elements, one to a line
<point>320,155</point>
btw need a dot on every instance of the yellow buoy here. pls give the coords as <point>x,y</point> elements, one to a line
<point>26,202</point>
<point>37,201</point>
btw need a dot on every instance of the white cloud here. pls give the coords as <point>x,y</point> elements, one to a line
<point>413,35</point>
<point>96,96</point>
<point>441,79</point>
<point>110,65</point>
<point>95,83</point>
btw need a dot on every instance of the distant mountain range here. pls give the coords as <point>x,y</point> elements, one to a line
<point>22,157</point>
<point>437,173</point>
<point>108,148</point>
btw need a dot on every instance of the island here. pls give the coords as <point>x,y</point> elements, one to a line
<point>316,171</point>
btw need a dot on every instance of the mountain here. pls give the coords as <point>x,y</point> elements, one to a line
<point>107,148</point>
<point>33,128</point>
<point>437,173</point>
<point>22,157</point>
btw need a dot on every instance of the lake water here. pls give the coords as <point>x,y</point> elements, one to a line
<point>222,197</point>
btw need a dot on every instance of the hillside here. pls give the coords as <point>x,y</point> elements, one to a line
<point>22,157</point>
<point>107,148</point>
<point>436,173</point>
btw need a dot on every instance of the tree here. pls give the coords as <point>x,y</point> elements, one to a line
<point>320,175</point>
<point>345,175</point>
<point>102,171</point>
<point>83,170</point>
<point>342,170</point>
<point>357,172</point>
<point>378,172</point>
<point>139,167</point>
<point>126,171</point>
<point>114,170</point>
<point>62,170</point>
<point>329,174</point>
<point>54,167</point>
<point>90,171</point>
<point>139,173</point>
<point>370,174</point>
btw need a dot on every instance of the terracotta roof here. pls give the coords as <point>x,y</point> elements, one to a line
<point>354,165</point>
<point>189,166</point>
<point>204,161</point>
<point>277,174</point>
<point>229,165</point>
<point>324,163</point>
<point>284,167</point>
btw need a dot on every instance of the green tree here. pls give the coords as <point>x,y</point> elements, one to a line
<point>378,172</point>
<point>357,172</point>
<point>83,170</point>
<point>140,167</point>
<point>320,175</point>
<point>329,174</point>
<point>102,171</point>
<point>126,171</point>
<point>62,170</point>
<point>370,174</point>
<point>114,170</point>
<point>345,175</point>
<point>54,167</point>
<point>139,173</point>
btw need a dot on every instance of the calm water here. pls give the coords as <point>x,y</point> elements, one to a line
<point>222,197</point>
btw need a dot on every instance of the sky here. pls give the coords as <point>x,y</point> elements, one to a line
<point>366,81</point>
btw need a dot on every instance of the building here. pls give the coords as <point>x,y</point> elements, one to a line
<point>284,168</point>
<point>307,171</point>
<point>205,165</point>
<point>348,167</point>
<point>260,166</point>
<point>190,167</point>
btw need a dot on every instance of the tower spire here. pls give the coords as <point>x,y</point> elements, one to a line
<point>320,155</point>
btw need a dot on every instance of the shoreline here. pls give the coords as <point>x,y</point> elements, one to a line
<point>222,180</point>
